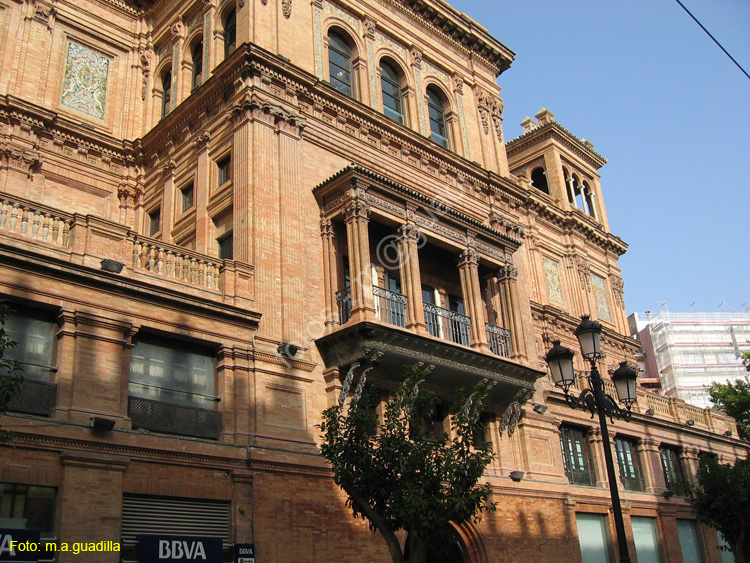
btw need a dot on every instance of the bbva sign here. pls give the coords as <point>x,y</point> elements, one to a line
<point>178,549</point>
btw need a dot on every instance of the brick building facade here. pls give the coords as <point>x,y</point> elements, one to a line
<point>212,211</point>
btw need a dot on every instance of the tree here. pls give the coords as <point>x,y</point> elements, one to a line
<point>11,379</point>
<point>404,473</point>
<point>721,499</point>
<point>734,399</point>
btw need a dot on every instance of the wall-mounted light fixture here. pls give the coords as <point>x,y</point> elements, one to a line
<point>112,266</point>
<point>540,409</point>
<point>287,349</point>
<point>102,424</point>
<point>690,422</point>
<point>650,412</point>
<point>516,476</point>
<point>728,433</point>
<point>667,494</point>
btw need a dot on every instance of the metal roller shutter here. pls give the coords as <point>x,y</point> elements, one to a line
<point>173,516</point>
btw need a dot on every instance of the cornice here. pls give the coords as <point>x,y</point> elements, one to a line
<point>553,130</point>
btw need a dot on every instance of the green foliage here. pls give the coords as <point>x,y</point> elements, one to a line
<point>734,399</point>
<point>721,499</point>
<point>11,379</point>
<point>399,474</point>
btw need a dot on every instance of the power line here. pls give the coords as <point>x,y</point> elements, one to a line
<point>714,39</point>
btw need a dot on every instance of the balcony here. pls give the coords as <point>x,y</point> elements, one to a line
<point>447,324</point>
<point>172,418</point>
<point>390,308</point>
<point>454,366</point>
<point>85,240</point>
<point>35,397</point>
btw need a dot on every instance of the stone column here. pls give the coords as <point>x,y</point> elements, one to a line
<point>358,242</point>
<point>242,184</point>
<point>330,279</point>
<point>468,269</point>
<point>651,469</point>
<point>411,279</point>
<point>510,311</point>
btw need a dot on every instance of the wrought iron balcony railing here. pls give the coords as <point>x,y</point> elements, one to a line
<point>172,418</point>
<point>390,306</point>
<point>35,397</point>
<point>498,339</point>
<point>447,324</point>
<point>344,300</point>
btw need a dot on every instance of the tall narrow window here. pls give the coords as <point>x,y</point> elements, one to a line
<point>225,169</point>
<point>226,247</point>
<point>646,539</point>
<point>436,110</point>
<point>593,538</point>
<point>539,180</point>
<point>340,63</point>
<point>390,83</point>
<point>166,97</point>
<point>187,197</point>
<point>230,33</point>
<point>33,335</point>
<point>627,460</point>
<point>154,221</point>
<point>673,475</point>
<point>576,456</point>
<point>197,64</point>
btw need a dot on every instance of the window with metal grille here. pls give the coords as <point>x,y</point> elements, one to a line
<point>340,63</point>
<point>577,456</point>
<point>172,373</point>
<point>673,475</point>
<point>627,460</point>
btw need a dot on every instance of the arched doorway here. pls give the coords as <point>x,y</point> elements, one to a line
<point>461,543</point>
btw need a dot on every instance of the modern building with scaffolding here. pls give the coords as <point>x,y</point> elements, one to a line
<point>687,352</point>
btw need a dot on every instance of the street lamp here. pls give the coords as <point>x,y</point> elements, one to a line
<point>596,401</point>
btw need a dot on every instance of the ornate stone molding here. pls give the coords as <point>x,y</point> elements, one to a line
<point>357,209</point>
<point>469,257</point>
<point>490,110</point>
<point>507,272</point>
<point>286,8</point>
<point>22,160</point>
<point>178,29</point>
<point>409,232</point>
<point>254,108</point>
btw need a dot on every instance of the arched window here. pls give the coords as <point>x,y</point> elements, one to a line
<point>197,64</point>
<point>539,180</point>
<point>166,97</point>
<point>436,110</point>
<point>390,83</point>
<point>230,33</point>
<point>340,63</point>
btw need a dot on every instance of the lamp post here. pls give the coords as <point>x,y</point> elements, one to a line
<point>596,401</point>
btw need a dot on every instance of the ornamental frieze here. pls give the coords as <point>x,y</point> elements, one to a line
<point>384,204</point>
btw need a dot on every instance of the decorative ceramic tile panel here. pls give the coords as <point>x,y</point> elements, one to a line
<point>85,82</point>
<point>554,285</point>
<point>599,285</point>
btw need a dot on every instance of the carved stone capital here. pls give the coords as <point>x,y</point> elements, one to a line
<point>286,8</point>
<point>409,232</point>
<point>326,227</point>
<point>507,272</point>
<point>357,210</point>
<point>469,258</point>
<point>178,29</point>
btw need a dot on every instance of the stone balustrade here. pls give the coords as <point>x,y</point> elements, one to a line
<point>34,221</point>
<point>667,408</point>
<point>86,240</point>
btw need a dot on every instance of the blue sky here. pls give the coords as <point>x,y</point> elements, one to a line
<point>670,112</point>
